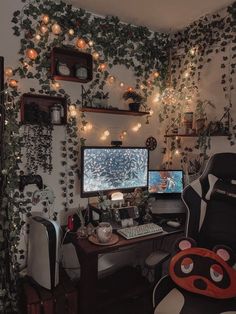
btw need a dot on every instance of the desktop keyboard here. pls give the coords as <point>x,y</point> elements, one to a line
<point>139,231</point>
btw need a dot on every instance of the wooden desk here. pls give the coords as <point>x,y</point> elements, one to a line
<point>87,253</point>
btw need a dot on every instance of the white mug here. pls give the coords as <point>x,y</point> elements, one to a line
<point>104,232</point>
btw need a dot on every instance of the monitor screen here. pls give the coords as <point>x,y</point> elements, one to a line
<point>107,169</point>
<point>165,181</point>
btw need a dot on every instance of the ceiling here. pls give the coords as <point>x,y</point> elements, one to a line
<point>158,15</point>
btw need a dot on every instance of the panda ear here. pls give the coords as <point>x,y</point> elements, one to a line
<point>225,253</point>
<point>184,244</point>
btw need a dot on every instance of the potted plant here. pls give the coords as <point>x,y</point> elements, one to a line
<point>200,114</point>
<point>135,100</point>
<point>100,99</point>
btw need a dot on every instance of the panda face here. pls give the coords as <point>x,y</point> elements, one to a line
<point>202,271</point>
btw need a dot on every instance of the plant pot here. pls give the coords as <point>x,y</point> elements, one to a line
<point>134,106</point>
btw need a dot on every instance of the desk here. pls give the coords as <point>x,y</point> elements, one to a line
<point>88,257</point>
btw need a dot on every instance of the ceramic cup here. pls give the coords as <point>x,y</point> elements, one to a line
<point>104,232</point>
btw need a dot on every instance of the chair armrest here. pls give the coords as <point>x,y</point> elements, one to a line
<point>161,289</point>
<point>156,258</point>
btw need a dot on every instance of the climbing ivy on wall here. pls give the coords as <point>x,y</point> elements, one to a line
<point>142,51</point>
<point>192,52</point>
<point>137,48</point>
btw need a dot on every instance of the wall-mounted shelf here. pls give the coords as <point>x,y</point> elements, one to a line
<point>71,65</point>
<point>191,135</point>
<point>114,111</point>
<point>36,109</point>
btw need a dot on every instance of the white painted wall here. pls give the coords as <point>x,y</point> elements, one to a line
<point>210,87</point>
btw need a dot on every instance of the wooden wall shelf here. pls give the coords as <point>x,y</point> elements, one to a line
<point>35,108</point>
<point>75,61</point>
<point>191,135</point>
<point>114,111</point>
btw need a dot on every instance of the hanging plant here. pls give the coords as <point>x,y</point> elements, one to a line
<point>38,145</point>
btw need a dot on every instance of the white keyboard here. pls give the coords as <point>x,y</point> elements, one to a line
<point>139,231</point>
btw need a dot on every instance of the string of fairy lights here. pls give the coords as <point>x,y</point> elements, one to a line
<point>47,26</point>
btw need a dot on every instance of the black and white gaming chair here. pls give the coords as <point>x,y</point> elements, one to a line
<point>211,220</point>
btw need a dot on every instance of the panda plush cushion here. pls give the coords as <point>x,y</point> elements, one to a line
<point>202,271</point>
<point>203,281</point>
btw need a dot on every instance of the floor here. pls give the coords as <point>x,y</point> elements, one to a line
<point>125,292</point>
<point>140,305</point>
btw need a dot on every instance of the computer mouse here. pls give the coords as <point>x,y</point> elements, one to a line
<point>173,223</point>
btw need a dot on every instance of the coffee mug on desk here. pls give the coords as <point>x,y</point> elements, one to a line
<point>103,232</point>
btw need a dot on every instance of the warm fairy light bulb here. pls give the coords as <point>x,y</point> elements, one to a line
<point>13,83</point>
<point>186,74</point>
<point>169,96</point>
<point>43,29</point>
<point>8,72</point>
<point>56,85</point>
<point>192,51</point>
<point>156,74</point>
<point>176,152</point>
<point>106,133</point>
<point>71,31</point>
<point>111,79</point>
<point>72,107</point>
<point>88,126</point>
<point>130,89</point>
<point>151,112</point>
<point>90,43</point>
<point>37,37</point>
<point>45,18</point>
<point>137,127</point>
<point>56,29</point>
<point>6,122</point>
<point>80,43</point>
<point>102,66</point>
<point>122,84</point>
<point>156,98</point>
<point>31,53</point>
<point>124,133</point>
<point>95,55</point>
<point>73,113</point>
<point>103,138</point>
<point>142,86</point>
<point>149,83</point>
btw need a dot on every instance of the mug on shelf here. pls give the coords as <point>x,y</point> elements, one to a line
<point>103,232</point>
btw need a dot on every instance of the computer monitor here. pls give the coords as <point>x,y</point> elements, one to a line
<point>108,169</point>
<point>167,183</point>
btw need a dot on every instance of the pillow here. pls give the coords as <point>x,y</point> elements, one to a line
<point>221,190</point>
<point>203,271</point>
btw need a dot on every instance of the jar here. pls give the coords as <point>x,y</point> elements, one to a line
<point>56,113</point>
<point>81,72</point>
<point>63,69</point>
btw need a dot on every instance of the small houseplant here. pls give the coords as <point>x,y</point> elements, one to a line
<point>135,100</point>
<point>100,99</point>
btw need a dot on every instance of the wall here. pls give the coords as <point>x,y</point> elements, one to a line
<point>210,88</point>
<point>114,123</point>
<point>202,59</point>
